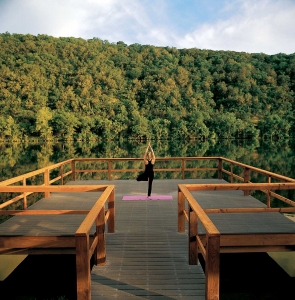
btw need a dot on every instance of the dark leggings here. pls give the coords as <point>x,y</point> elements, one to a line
<point>150,181</point>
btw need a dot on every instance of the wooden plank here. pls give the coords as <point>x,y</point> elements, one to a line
<point>111,212</point>
<point>257,239</point>
<point>147,258</point>
<point>212,267</point>
<point>192,241</point>
<point>246,179</point>
<point>46,183</point>
<point>19,242</point>
<point>249,210</point>
<point>38,251</point>
<point>101,234</point>
<point>244,186</point>
<point>219,168</point>
<point>181,208</point>
<point>201,246</point>
<point>44,212</point>
<point>83,267</point>
<point>54,188</point>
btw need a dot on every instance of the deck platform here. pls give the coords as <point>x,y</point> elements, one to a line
<point>146,257</point>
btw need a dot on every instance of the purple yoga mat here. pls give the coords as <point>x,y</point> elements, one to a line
<point>141,197</point>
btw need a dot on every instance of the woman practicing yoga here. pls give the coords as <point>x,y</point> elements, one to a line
<point>148,174</point>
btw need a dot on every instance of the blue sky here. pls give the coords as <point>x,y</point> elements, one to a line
<point>240,25</point>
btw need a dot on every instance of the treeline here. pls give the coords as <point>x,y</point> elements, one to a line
<point>76,89</point>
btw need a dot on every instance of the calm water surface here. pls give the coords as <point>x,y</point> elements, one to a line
<point>275,156</point>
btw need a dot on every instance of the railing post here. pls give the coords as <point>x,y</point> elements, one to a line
<point>219,168</point>
<point>109,170</point>
<point>61,173</point>
<point>46,182</point>
<point>111,209</point>
<point>268,193</point>
<point>231,173</point>
<point>25,194</point>
<point>83,267</point>
<point>73,166</point>
<point>181,207</point>
<point>246,179</point>
<point>212,267</point>
<point>182,168</point>
<point>193,231</point>
<point>100,232</point>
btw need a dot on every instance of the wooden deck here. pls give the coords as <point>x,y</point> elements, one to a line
<point>146,256</point>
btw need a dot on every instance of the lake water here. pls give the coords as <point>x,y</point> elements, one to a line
<point>274,156</point>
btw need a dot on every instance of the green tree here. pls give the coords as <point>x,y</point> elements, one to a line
<point>43,118</point>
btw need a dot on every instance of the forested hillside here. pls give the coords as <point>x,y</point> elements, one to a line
<point>70,88</point>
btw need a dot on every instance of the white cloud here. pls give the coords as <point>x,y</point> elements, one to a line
<point>258,26</point>
<point>242,25</point>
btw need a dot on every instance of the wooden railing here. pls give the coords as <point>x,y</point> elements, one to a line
<point>209,246</point>
<point>21,180</point>
<point>211,253</point>
<point>83,242</point>
<point>86,246</point>
<point>110,169</point>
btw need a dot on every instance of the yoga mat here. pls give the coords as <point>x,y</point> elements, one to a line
<point>153,197</point>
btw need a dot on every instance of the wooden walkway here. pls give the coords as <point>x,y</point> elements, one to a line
<point>146,257</point>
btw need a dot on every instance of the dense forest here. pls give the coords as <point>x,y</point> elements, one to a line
<point>76,89</point>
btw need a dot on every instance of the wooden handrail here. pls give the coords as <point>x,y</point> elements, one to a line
<point>258,170</point>
<point>207,223</point>
<point>33,173</point>
<point>212,249</point>
<point>92,215</point>
<point>84,249</point>
<point>85,244</point>
<point>244,186</point>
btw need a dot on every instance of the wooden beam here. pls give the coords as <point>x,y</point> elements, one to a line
<point>181,208</point>
<point>20,242</point>
<point>38,251</point>
<point>111,212</point>
<point>83,267</point>
<point>212,268</point>
<point>185,211</point>
<point>255,249</point>
<point>249,210</point>
<point>43,212</point>
<point>192,241</point>
<point>272,239</point>
<point>246,179</point>
<point>243,186</point>
<point>101,246</point>
<point>53,188</point>
<point>201,247</point>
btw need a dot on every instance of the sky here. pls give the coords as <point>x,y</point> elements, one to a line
<point>252,26</point>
